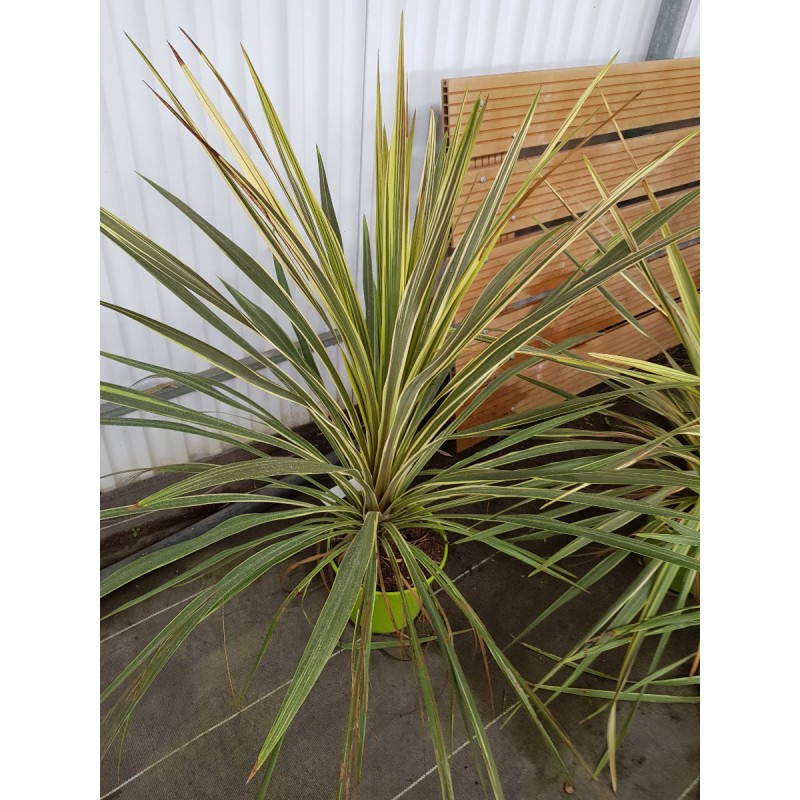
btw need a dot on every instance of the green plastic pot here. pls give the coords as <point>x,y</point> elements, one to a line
<point>387,610</point>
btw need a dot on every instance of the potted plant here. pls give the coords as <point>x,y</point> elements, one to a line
<point>384,414</point>
<point>395,605</point>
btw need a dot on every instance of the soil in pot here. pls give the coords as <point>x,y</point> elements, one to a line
<point>430,542</point>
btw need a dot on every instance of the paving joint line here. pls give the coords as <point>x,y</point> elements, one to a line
<point>451,756</point>
<point>467,571</point>
<point>689,787</point>
<point>150,616</point>
<point>201,735</point>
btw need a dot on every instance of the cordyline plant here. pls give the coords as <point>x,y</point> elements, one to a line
<point>662,598</point>
<point>391,407</point>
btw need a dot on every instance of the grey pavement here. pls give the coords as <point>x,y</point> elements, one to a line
<point>188,739</point>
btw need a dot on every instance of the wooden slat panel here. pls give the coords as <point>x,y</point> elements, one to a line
<point>677,107</point>
<point>594,313</point>
<point>666,93</point>
<point>508,97</point>
<point>574,183</point>
<point>561,268</point>
<point>518,395</point>
<point>661,102</point>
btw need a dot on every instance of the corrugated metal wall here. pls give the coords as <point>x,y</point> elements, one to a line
<point>318,60</point>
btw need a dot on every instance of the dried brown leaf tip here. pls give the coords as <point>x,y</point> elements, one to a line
<point>176,54</point>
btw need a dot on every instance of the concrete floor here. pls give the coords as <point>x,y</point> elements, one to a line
<point>189,740</point>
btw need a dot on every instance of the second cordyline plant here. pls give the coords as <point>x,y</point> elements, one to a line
<point>656,407</point>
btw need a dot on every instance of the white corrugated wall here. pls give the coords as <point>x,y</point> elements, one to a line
<point>318,60</point>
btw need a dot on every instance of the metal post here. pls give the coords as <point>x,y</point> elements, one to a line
<point>668,29</point>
